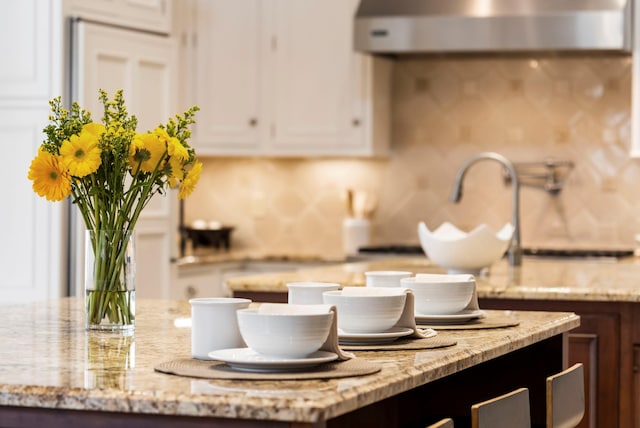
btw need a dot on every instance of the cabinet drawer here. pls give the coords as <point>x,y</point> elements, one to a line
<point>197,281</point>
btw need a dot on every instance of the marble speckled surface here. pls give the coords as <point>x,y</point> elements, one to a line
<point>208,256</point>
<point>47,359</point>
<point>537,278</point>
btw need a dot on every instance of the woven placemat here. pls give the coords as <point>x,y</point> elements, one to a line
<point>476,324</point>
<point>219,370</point>
<point>403,344</point>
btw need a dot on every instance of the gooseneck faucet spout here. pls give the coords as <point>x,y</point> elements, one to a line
<point>515,250</point>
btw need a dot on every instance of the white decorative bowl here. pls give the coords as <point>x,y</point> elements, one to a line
<point>441,294</point>
<point>284,335</point>
<point>367,309</point>
<point>461,252</point>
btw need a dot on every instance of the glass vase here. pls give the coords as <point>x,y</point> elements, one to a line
<point>110,274</point>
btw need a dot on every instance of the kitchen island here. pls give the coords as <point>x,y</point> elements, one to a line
<point>54,373</point>
<point>605,293</point>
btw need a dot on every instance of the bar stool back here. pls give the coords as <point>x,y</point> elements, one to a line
<point>565,398</point>
<point>444,423</point>
<point>510,410</point>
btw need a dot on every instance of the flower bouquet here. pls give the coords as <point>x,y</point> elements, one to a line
<point>111,173</point>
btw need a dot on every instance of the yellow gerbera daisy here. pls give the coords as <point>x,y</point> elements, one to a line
<point>81,154</point>
<point>176,149</point>
<point>146,150</point>
<point>162,134</point>
<point>177,171</point>
<point>189,183</point>
<point>93,128</point>
<point>178,155</point>
<point>50,178</point>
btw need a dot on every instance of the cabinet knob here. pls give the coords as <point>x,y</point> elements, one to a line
<point>191,291</point>
<point>253,121</point>
<point>356,122</point>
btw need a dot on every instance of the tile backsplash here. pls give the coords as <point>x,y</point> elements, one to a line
<point>445,110</point>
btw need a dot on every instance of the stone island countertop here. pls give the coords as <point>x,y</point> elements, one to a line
<point>53,371</point>
<point>537,278</point>
<point>208,256</point>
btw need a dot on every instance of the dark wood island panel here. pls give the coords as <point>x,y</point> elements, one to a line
<point>607,342</point>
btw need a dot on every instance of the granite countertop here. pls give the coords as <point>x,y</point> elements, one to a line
<point>212,256</point>
<point>48,360</point>
<point>537,278</point>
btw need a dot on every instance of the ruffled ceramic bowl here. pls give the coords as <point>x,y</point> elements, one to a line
<point>461,252</point>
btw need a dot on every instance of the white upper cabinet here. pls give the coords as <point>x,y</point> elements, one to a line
<point>148,15</point>
<point>280,78</point>
<point>227,72</point>
<point>28,49</point>
<point>319,84</point>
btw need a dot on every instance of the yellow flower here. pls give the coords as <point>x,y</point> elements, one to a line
<point>176,173</point>
<point>177,150</point>
<point>178,155</point>
<point>189,183</point>
<point>81,154</point>
<point>146,151</point>
<point>162,134</point>
<point>50,178</point>
<point>93,128</point>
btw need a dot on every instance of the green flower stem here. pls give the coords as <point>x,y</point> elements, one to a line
<point>110,299</point>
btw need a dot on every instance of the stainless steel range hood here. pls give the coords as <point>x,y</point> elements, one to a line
<point>441,26</point>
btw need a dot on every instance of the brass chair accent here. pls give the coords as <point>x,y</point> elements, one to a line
<point>565,398</point>
<point>510,410</point>
<point>444,423</point>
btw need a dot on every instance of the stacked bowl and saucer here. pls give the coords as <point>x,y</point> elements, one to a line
<point>444,299</point>
<point>282,337</point>
<point>369,315</point>
<point>377,314</point>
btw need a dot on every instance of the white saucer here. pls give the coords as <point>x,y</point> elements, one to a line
<point>246,359</point>
<point>458,318</point>
<point>373,338</point>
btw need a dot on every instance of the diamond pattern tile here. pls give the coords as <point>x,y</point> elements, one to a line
<point>445,110</point>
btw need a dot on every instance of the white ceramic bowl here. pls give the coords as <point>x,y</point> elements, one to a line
<point>385,278</point>
<point>371,313</point>
<point>461,252</point>
<point>309,293</point>
<point>441,294</point>
<point>279,335</point>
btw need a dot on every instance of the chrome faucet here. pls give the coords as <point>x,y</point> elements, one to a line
<point>515,251</point>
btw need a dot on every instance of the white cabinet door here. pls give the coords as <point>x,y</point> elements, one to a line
<point>143,65</point>
<point>280,77</point>
<point>32,253</point>
<point>202,280</point>
<point>149,15</point>
<point>318,91</point>
<point>227,75</point>
<point>27,50</point>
